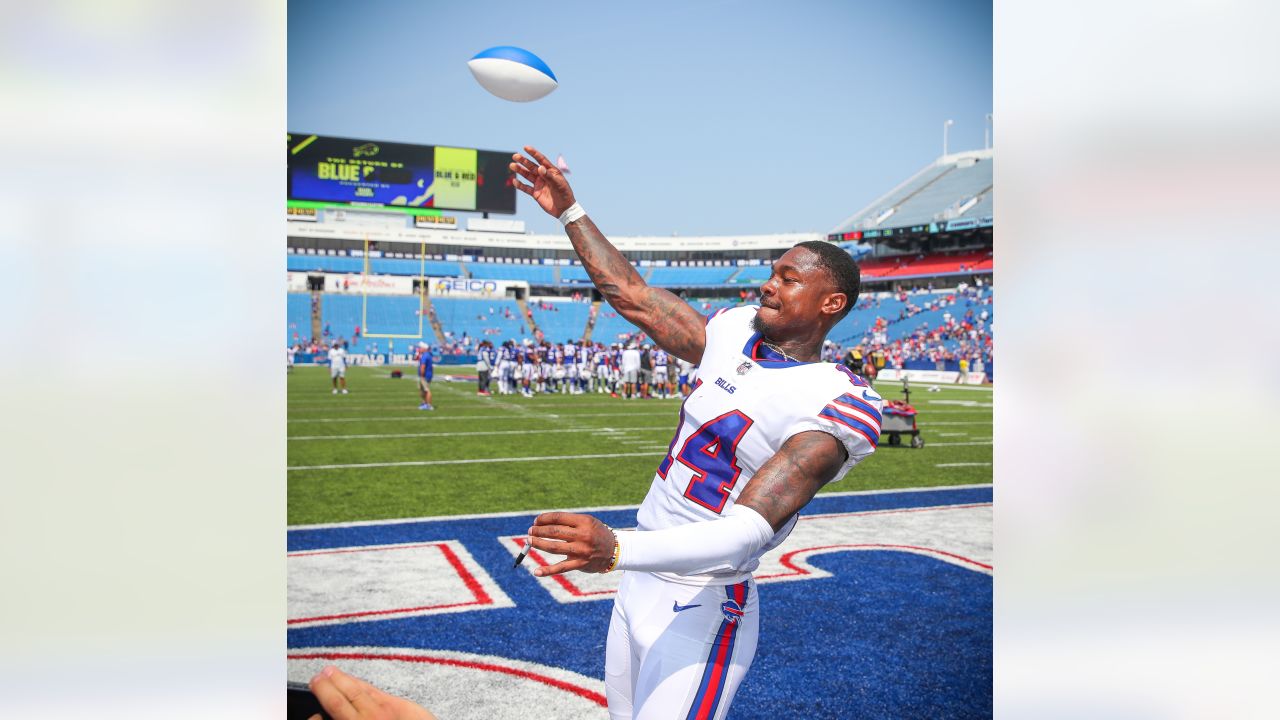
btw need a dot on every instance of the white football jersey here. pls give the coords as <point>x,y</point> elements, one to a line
<point>747,403</point>
<point>337,358</point>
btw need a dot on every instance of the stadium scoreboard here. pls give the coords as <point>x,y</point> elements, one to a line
<point>369,173</point>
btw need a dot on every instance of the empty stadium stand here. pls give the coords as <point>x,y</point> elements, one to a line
<point>377,266</point>
<point>691,276</point>
<point>560,321</point>
<point>496,320</point>
<point>533,274</point>
<point>952,187</point>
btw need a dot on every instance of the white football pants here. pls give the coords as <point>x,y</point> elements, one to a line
<point>678,651</point>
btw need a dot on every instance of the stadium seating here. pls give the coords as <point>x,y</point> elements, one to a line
<point>690,276</point>
<point>299,315</point>
<point>858,323</point>
<point>610,326</point>
<point>461,315</point>
<point>753,274</point>
<point>911,266</point>
<point>936,193</point>
<point>386,314</point>
<point>947,192</point>
<point>563,321</point>
<point>377,266</point>
<point>534,274</point>
<point>574,274</point>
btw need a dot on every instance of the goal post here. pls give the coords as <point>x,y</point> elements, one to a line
<point>421,295</point>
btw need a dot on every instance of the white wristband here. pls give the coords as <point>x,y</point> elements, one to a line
<point>727,543</point>
<point>574,212</point>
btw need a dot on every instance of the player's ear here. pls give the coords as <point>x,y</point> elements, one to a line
<point>834,303</point>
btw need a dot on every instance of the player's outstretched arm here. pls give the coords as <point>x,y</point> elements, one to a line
<point>784,485</point>
<point>670,321</point>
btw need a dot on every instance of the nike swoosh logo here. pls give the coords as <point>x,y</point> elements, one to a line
<point>871,398</point>
<point>677,607</point>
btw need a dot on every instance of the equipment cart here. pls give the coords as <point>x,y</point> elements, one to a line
<point>898,418</point>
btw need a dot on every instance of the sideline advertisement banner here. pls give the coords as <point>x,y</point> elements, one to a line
<point>371,359</point>
<point>472,287</point>
<point>942,377</point>
<point>371,284</point>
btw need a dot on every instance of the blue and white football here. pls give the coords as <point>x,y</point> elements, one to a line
<point>513,73</point>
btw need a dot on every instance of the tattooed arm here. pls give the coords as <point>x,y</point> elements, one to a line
<point>670,321</point>
<point>784,485</point>
<point>790,479</point>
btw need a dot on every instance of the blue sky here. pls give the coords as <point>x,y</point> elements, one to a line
<point>698,118</point>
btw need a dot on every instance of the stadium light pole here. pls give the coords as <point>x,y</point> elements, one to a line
<point>945,127</point>
<point>987,132</point>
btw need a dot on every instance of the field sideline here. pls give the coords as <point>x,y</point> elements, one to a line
<point>373,455</point>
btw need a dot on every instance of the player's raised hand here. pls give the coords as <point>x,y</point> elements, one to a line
<point>586,541</point>
<point>545,183</point>
<point>349,698</point>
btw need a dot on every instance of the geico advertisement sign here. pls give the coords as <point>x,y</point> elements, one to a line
<point>466,286</point>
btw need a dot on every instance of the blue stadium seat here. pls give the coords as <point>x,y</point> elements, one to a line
<point>574,273</point>
<point>475,316</point>
<point>534,274</point>
<point>377,266</point>
<point>754,274</point>
<point>690,276</point>
<point>299,318</point>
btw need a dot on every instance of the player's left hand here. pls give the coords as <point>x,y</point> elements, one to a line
<point>586,541</point>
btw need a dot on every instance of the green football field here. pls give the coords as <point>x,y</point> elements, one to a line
<point>372,455</point>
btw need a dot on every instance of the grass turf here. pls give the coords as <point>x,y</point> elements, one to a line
<point>355,429</point>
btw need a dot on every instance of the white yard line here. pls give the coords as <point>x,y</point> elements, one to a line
<point>951,444</point>
<point>963,465</point>
<point>453,434</point>
<point>442,418</point>
<point>599,508</point>
<point>420,463</point>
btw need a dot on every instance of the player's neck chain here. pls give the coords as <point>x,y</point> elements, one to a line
<point>780,351</point>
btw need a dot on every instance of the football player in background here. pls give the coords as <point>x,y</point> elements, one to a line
<point>661,386</point>
<point>766,427</point>
<point>528,370</point>
<point>338,367</point>
<point>506,369</point>
<point>486,361</point>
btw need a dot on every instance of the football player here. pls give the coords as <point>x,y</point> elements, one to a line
<point>766,427</point>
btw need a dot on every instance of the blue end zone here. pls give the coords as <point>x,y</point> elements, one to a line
<point>890,634</point>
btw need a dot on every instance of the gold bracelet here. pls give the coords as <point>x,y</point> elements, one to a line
<point>617,549</point>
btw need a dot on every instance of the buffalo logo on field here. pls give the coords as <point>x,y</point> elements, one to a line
<point>732,611</point>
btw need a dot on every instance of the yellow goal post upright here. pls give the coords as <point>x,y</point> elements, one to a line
<point>364,295</point>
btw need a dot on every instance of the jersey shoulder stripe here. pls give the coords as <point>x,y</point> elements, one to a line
<point>853,423</point>
<point>856,403</point>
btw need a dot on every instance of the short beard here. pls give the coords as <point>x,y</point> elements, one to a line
<point>757,325</point>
